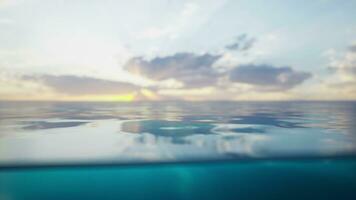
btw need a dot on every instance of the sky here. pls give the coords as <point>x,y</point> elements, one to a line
<point>107,50</point>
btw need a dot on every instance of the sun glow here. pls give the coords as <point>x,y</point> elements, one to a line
<point>124,98</point>
<point>120,98</point>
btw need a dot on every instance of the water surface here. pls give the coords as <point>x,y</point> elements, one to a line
<point>50,133</point>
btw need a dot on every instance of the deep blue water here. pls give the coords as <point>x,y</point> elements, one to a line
<point>178,150</point>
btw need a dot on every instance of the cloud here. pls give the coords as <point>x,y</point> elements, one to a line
<point>9,3</point>
<point>190,69</point>
<point>5,21</point>
<point>268,77</point>
<point>176,26</point>
<point>346,65</point>
<point>352,48</point>
<point>198,71</point>
<point>343,68</point>
<point>81,85</point>
<point>243,43</point>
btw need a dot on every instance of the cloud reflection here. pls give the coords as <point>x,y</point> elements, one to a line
<point>186,134</point>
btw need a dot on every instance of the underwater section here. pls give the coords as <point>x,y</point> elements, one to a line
<point>274,179</point>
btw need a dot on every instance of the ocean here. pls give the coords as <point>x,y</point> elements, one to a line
<point>178,150</point>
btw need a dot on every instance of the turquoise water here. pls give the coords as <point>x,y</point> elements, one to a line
<point>178,150</point>
<point>298,179</point>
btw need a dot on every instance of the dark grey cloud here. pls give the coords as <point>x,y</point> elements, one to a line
<point>191,69</point>
<point>81,85</point>
<point>352,48</point>
<point>243,43</point>
<point>197,71</point>
<point>268,77</point>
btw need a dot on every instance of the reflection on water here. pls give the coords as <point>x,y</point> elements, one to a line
<point>166,128</point>
<point>34,125</point>
<point>35,133</point>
